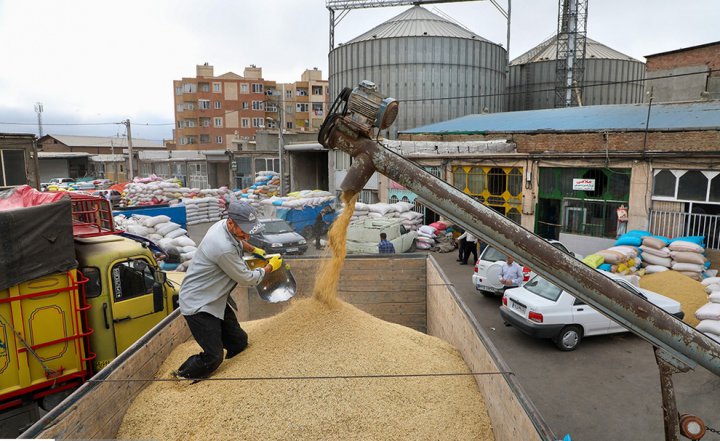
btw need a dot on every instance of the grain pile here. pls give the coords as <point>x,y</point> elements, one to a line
<point>316,338</point>
<point>690,293</point>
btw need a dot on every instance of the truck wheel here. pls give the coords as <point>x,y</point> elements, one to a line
<point>569,338</point>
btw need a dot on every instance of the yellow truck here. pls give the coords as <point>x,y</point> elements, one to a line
<point>74,294</point>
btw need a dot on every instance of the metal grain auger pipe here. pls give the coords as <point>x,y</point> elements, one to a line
<point>679,344</point>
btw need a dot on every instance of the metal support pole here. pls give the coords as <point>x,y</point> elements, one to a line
<point>671,417</point>
<point>131,173</point>
<point>281,143</point>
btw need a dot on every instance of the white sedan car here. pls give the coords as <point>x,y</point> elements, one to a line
<point>542,310</point>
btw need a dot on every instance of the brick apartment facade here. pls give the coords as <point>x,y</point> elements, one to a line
<point>684,74</point>
<point>216,112</point>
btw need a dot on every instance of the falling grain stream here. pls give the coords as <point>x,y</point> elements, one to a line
<point>320,370</point>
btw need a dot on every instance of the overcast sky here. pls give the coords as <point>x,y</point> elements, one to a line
<point>92,62</point>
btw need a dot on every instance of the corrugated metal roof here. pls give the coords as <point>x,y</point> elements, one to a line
<point>547,50</point>
<point>417,22</point>
<point>620,117</point>
<point>105,141</point>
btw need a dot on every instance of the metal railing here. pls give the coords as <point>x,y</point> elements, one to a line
<point>675,224</point>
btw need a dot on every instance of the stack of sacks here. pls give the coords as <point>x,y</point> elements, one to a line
<point>709,314</point>
<point>618,259</point>
<point>426,237</point>
<point>208,209</point>
<point>300,199</point>
<point>152,193</point>
<point>267,183</point>
<point>656,254</point>
<point>163,232</point>
<point>400,210</point>
<point>688,256</point>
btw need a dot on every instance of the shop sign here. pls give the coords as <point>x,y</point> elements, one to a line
<point>584,184</point>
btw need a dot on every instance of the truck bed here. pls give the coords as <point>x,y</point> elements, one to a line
<point>415,293</point>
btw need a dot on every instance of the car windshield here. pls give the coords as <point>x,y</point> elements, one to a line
<point>543,288</point>
<point>277,227</point>
<point>492,255</point>
<point>560,247</point>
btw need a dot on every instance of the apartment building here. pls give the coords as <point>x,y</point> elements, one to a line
<point>213,111</point>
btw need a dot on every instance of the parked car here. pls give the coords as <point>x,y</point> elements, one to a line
<point>279,237</point>
<point>114,199</point>
<point>541,309</point>
<point>363,235</point>
<point>488,269</point>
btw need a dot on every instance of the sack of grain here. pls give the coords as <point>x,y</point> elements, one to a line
<point>690,267</point>
<point>176,233</point>
<point>709,311</point>
<point>654,242</point>
<point>692,274</point>
<point>652,269</point>
<point>154,220</point>
<point>662,252</point>
<point>655,260</point>
<point>709,326</point>
<point>710,281</point>
<point>681,245</point>
<point>612,257</point>
<point>714,297</point>
<point>688,257</point>
<point>712,287</point>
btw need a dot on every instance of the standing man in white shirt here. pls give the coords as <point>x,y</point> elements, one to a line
<point>205,302</point>
<point>512,274</point>
<point>470,247</point>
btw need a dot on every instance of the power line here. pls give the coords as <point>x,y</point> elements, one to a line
<point>488,95</point>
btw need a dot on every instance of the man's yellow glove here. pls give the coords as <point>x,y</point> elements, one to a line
<point>275,262</point>
<point>259,253</point>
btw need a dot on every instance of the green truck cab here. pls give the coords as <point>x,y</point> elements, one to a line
<point>127,292</point>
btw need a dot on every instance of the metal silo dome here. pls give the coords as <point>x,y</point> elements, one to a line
<point>418,58</point>
<point>611,77</point>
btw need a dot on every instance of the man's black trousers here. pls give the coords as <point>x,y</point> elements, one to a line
<point>213,334</point>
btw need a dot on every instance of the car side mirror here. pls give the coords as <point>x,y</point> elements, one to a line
<point>158,297</point>
<point>160,277</point>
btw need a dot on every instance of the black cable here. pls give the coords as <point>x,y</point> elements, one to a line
<point>324,377</point>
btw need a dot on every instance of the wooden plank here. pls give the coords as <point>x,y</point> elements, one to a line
<point>357,298</point>
<point>386,309</point>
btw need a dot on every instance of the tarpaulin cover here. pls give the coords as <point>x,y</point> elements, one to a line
<point>36,235</point>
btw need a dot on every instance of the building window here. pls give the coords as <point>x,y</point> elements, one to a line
<point>218,122</point>
<point>288,93</point>
<point>243,88</point>
<point>317,90</point>
<point>178,90</point>
<point>189,88</point>
<point>204,139</point>
<point>317,109</point>
<point>301,107</point>
<point>257,122</point>
<point>257,88</point>
<point>217,87</point>
<point>500,188</point>
<point>183,140</point>
<point>245,123</point>
<point>300,91</point>
<point>289,125</point>
<point>189,123</point>
<point>686,185</point>
<point>218,140</point>
<point>218,105</point>
<point>205,122</point>
<point>189,106</point>
<point>267,164</point>
<point>271,107</point>
<point>204,104</point>
<point>12,167</point>
<point>343,161</point>
<point>257,105</point>
<point>180,107</point>
<point>245,105</point>
<point>204,87</point>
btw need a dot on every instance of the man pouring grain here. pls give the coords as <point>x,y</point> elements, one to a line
<point>205,302</point>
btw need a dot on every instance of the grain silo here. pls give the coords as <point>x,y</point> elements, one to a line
<point>610,77</point>
<point>419,58</point>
